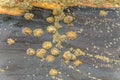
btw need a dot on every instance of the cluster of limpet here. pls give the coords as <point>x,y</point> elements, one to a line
<point>54,47</point>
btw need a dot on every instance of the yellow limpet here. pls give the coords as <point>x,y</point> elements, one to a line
<point>68,19</point>
<point>38,32</point>
<point>51,29</point>
<point>30,52</point>
<point>71,49</point>
<point>79,52</point>
<point>53,72</point>
<point>28,16</point>
<point>103,13</point>
<point>47,45</point>
<point>77,63</point>
<point>40,53</point>
<point>10,41</point>
<point>57,11</point>
<point>73,57</point>
<point>56,37</point>
<point>71,35</point>
<point>57,25</point>
<point>63,38</point>
<point>50,19</point>
<point>59,45</point>
<point>67,55</point>
<point>55,51</point>
<point>27,31</point>
<point>50,58</point>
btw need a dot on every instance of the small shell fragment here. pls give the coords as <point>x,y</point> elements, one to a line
<point>79,52</point>
<point>103,13</point>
